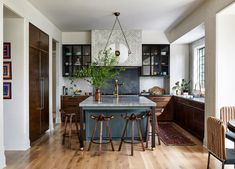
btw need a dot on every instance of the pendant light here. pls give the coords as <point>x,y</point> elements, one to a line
<point>117,52</point>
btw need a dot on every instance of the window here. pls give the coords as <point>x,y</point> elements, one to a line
<point>201,66</point>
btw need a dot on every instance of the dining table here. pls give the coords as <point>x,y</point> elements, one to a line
<point>231,125</point>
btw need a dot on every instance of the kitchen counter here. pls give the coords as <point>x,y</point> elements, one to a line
<point>196,99</point>
<point>123,101</point>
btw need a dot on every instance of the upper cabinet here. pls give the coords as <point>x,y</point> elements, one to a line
<point>155,60</point>
<point>75,57</point>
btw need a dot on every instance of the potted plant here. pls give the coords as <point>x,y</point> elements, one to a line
<point>100,71</point>
<point>182,86</point>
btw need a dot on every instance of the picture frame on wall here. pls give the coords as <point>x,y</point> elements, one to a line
<point>6,50</point>
<point>7,70</point>
<point>7,90</point>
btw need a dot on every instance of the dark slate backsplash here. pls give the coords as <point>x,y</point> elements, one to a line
<point>130,78</point>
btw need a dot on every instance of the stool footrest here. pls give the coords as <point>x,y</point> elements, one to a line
<point>104,141</point>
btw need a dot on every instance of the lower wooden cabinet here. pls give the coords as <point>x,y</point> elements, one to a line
<point>70,104</point>
<point>165,104</point>
<point>190,116</point>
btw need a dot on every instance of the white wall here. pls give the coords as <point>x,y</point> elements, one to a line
<point>179,64</point>
<point>2,155</point>
<point>76,37</point>
<point>225,42</point>
<point>14,128</point>
<point>31,14</point>
<point>206,13</point>
<point>154,37</point>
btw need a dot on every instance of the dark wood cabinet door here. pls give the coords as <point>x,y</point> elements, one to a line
<point>34,36</point>
<point>44,80</point>
<point>38,82</point>
<point>44,41</point>
<point>34,94</point>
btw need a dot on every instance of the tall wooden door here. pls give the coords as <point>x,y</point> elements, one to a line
<point>45,91</point>
<point>34,94</point>
<point>38,82</point>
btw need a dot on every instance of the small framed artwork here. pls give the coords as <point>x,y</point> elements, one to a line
<point>7,71</point>
<point>6,50</point>
<point>6,90</point>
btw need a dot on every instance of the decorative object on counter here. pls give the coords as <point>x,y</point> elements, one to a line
<point>157,90</point>
<point>73,89</point>
<point>100,71</point>
<point>197,90</point>
<point>65,90</point>
<point>181,87</point>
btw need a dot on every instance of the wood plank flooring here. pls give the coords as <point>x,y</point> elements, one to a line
<point>49,153</point>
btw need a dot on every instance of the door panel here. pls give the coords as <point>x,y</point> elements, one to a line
<point>34,94</point>
<point>45,90</point>
<point>34,33</point>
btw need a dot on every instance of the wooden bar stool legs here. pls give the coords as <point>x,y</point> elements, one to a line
<point>69,120</point>
<point>100,119</point>
<point>134,119</point>
<point>148,124</point>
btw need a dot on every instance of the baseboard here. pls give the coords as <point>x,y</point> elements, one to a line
<point>2,159</point>
<point>22,147</point>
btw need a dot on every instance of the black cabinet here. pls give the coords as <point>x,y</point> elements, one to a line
<point>75,57</point>
<point>155,60</point>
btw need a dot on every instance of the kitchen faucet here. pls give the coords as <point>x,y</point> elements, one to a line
<point>116,90</point>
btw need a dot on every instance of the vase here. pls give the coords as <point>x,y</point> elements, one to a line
<point>97,95</point>
<point>178,92</point>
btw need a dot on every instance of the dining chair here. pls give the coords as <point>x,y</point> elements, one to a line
<point>227,113</point>
<point>216,142</point>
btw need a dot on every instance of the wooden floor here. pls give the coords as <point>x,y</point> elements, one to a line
<point>48,153</point>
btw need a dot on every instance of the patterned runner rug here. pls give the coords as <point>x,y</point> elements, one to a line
<point>171,136</point>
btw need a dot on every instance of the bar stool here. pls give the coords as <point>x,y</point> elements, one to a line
<point>134,119</point>
<point>100,119</point>
<point>69,118</point>
<point>148,124</point>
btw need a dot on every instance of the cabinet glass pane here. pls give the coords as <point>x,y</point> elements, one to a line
<point>146,70</point>
<point>86,60</point>
<point>77,50</point>
<point>146,59</point>
<point>87,50</point>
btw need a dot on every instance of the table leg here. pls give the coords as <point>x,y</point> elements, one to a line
<point>153,127</point>
<point>81,139</point>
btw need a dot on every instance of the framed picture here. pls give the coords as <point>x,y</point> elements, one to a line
<point>6,50</point>
<point>7,71</point>
<point>6,90</point>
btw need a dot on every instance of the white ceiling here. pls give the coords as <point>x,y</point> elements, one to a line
<point>82,15</point>
<point>191,36</point>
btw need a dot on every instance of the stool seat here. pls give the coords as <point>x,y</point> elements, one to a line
<point>100,119</point>
<point>134,120</point>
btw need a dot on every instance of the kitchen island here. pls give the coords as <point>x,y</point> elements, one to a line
<point>111,105</point>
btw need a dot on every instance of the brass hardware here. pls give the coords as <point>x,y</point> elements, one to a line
<point>116,89</point>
